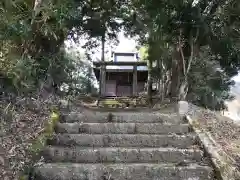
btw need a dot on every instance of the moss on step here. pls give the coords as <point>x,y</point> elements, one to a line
<point>39,143</point>
<point>111,103</point>
<point>118,102</point>
<point>23,177</point>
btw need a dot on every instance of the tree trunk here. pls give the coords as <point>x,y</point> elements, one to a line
<point>102,59</point>
<point>167,82</point>
<point>159,80</point>
<point>183,90</point>
<point>103,48</point>
<point>149,88</point>
<point>36,7</point>
<point>175,77</point>
<point>162,87</point>
<point>184,67</point>
<point>89,82</point>
<point>163,79</point>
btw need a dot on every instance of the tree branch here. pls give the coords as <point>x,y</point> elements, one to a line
<point>192,42</point>
<point>181,52</point>
<point>37,4</point>
<point>212,7</point>
<point>192,54</point>
<point>197,34</point>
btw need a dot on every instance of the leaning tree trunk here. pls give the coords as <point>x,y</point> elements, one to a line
<point>185,66</point>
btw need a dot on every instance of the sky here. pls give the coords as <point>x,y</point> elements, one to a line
<point>237,78</point>
<point>125,45</point>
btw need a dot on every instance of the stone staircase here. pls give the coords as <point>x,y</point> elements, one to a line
<point>123,146</point>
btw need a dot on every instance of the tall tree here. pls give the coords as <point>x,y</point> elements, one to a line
<point>33,33</point>
<point>188,26</point>
<point>103,20</point>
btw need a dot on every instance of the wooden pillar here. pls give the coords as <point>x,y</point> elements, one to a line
<point>135,80</point>
<point>102,80</point>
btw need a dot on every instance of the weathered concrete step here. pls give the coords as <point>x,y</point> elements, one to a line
<point>123,117</point>
<point>123,140</point>
<point>122,128</point>
<point>121,155</point>
<point>122,172</point>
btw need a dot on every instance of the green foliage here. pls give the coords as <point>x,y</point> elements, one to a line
<point>82,77</point>
<point>143,53</point>
<point>168,27</point>
<point>31,44</point>
<point>209,86</point>
<point>38,144</point>
<point>32,40</point>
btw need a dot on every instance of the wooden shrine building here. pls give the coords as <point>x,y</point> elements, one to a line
<point>123,76</point>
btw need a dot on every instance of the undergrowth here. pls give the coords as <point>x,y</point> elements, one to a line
<point>38,145</point>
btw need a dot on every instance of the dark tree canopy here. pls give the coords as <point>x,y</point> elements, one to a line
<point>195,44</point>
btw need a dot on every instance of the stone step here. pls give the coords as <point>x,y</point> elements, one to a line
<point>122,128</point>
<point>123,117</point>
<point>122,172</point>
<point>121,155</point>
<point>123,140</point>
